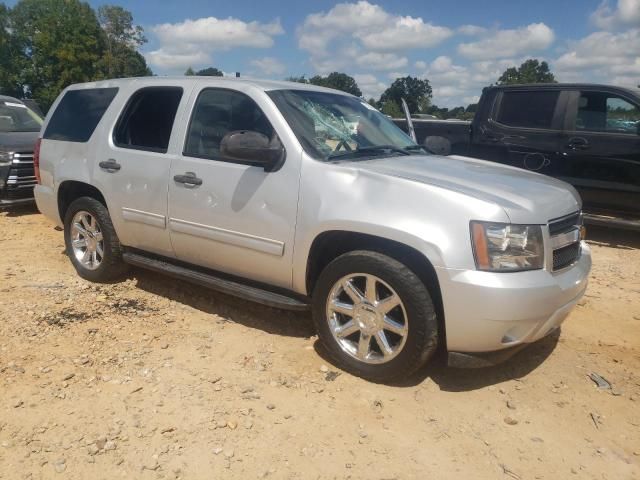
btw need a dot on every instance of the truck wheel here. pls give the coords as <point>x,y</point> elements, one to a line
<point>91,241</point>
<point>375,316</point>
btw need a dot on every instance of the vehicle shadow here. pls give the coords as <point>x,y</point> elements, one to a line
<point>20,211</point>
<point>229,308</point>
<point>614,238</point>
<point>300,325</point>
<point>467,379</point>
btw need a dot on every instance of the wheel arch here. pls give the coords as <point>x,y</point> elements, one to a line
<point>331,244</point>
<point>70,190</point>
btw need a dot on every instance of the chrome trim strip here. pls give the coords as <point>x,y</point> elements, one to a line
<point>564,239</point>
<point>148,218</point>
<point>230,237</point>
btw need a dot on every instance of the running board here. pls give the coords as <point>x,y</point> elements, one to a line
<point>209,280</point>
<point>607,221</point>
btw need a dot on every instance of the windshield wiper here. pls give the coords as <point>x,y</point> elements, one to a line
<point>373,150</point>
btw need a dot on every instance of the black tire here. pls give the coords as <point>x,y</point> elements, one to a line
<point>112,266</point>
<point>422,339</point>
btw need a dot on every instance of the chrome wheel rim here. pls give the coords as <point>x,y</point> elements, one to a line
<point>367,318</point>
<point>87,241</point>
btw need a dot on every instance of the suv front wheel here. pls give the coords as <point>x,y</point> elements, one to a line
<point>91,241</point>
<point>375,316</point>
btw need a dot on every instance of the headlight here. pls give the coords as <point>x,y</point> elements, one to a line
<point>5,157</point>
<point>503,247</point>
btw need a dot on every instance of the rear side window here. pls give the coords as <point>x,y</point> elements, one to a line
<point>605,112</point>
<point>528,109</point>
<point>78,114</point>
<point>147,120</point>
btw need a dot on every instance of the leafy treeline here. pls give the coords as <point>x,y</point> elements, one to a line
<point>418,92</point>
<point>46,45</point>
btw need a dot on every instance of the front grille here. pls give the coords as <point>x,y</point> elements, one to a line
<point>565,256</point>
<point>562,230</point>
<point>21,178</point>
<point>564,224</point>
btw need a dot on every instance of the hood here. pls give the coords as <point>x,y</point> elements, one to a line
<point>526,197</point>
<point>18,141</point>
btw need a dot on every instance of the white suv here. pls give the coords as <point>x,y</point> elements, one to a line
<point>268,191</point>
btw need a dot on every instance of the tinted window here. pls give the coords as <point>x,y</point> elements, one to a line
<point>147,120</point>
<point>218,112</point>
<point>603,112</point>
<point>78,114</point>
<point>528,109</point>
<point>16,117</point>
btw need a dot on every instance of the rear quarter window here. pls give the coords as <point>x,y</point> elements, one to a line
<point>78,114</point>
<point>528,109</point>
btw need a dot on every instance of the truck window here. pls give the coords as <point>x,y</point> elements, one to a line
<point>527,109</point>
<point>78,114</point>
<point>147,120</point>
<point>218,112</point>
<point>605,112</point>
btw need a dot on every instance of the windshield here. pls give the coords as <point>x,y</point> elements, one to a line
<point>333,127</point>
<point>16,117</point>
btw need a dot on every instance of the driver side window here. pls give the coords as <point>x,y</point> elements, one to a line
<point>218,112</point>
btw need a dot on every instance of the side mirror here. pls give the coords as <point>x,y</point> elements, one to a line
<point>253,148</point>
<point>438,145</point>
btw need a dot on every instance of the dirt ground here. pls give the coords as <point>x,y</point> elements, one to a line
<point>152,378</point>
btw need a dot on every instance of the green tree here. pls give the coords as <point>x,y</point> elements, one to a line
<point>392,109</point>
<point>209,72</point>
<point>121,39</point>
<point>300,79</point>
<point>416,92</point>
<point>189,72</point>
<point>531,71</point>
<point>10,57</point>
<point>62,44</point>
<point>337,81</point>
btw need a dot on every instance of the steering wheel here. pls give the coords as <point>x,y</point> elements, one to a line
<point>342,143</point>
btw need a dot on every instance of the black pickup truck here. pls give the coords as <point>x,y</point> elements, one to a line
<point>587,135</point>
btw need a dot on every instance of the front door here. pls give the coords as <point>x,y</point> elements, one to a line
<point>601,151</point>
<point>228,216</point>
<point>523,130</point>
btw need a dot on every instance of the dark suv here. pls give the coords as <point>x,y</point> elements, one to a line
<point>19,127</point>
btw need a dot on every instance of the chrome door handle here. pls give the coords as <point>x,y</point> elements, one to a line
<point>110,166</point>
<point>189,179</point>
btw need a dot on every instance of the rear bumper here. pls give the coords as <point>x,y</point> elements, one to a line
<point>489,312</point>
<point>47,203</point>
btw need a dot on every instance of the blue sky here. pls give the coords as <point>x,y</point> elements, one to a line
<point>460,46</point>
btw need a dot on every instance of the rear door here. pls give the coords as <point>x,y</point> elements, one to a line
<point>601,150</point>
<point>523,129</point>
<point>133,170</point>
<point>235,218</point>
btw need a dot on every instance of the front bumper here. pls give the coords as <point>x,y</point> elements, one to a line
<point>17,202</point>
<point>487,312</point>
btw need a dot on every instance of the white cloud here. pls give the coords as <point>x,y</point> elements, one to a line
<point>602,56</point>
<point>366,35</point>
<point>191,42</point>
<point>527,40</point>
<point>370,85</point>
<point>381,61</point>
<point>268,66</point>
<point>173,61</point>
<point>471,30</point>
<point>626,12</point>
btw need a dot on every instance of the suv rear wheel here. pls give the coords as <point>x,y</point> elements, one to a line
<point>91,241</point>
<point>375,316</point>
